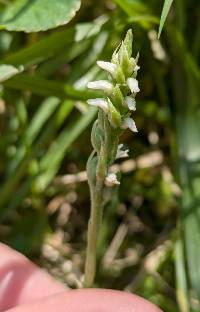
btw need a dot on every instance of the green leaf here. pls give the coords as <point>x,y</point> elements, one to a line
<point>8,71</point>
<point>39,51</point>
<point>37,15</point>
<point>165,11</point>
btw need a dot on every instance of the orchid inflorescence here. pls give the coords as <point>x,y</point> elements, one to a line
<point>120,89</point>
<point>114,116</point>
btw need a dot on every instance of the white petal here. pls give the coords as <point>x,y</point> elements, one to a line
<point>131,103</point>
<point>129,123</point>
<point>111,180</point>
<point>100,85</point>
<point>121,153</point>
<point>133,85</point>
<point>108,66</point>
<point>102,103</point>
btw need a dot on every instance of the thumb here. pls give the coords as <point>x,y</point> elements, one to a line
<point>90,300</point>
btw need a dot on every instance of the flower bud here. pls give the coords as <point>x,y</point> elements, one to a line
<point>128,42</point>
<point>124,59</point>
<point>111,180</point>
<point>131,103</point>
<point>119,75</point>
<point>115,56</point>
<point>118,96</point>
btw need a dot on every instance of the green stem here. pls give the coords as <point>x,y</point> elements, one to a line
<point>97,169</point>
<point>97,172</point>
<point>93,231</point>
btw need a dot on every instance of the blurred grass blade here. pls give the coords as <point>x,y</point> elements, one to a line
<point>42,115</point>
<point>57,150</point>
<point>133,7</point>
<point>46,87</point>
<point>39,51</point>
<point>186,90</point>
<point>46,109</point>
<point>181,278</point>
<point>49,164</point>
<point>8,71</point>
<point>138,11</point>
<point>191,223</point>
<point>165,11</point>
<point>84,63</point>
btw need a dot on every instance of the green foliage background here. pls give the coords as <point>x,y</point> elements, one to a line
<point>48,53</point>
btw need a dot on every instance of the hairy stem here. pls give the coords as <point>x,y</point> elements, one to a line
<point>96,184</point>
<point>93,232</point>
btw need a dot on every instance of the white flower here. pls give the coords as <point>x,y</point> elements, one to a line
<point>129,123</point>
<point>111,180</point>
<point>102,103</point>
<point>136,68</point>
<point>104,85</point>
<point>108,66</point>
<point>121,153</point>
<point>133,85</point>
<point>131,103</point>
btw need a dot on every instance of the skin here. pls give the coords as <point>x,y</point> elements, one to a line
<point>26,288</point>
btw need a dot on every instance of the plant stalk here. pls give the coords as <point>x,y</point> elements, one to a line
<point>96,193</point>
<point>93,233</point>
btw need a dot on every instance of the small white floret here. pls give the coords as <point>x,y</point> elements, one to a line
<point>131,103</point>
<point>102,103</point>
<point>111,180</point>
<point>136,68</point>
<point>121,153</point>
<point>104,85</point>
<point>133,85</point>
<point>129,123</point>
<point>108,66</point>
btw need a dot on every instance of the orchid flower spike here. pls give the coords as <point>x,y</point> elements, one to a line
<point>121,87</point>
<point>114,110</point>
